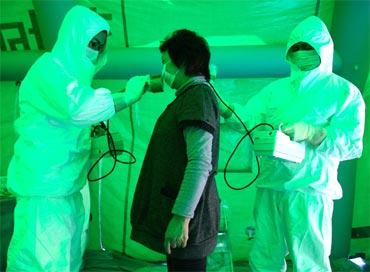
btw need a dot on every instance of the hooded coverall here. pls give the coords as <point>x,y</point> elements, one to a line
<point>294,201</point>
<point>49,166</point>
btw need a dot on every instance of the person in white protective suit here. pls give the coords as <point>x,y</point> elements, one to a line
<point>294,201</point>
<point>51,156</point>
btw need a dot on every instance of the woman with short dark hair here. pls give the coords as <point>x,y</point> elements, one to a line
<point>176,205</point>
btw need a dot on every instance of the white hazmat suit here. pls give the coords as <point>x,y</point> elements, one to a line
<point>294,202</point>
<point>51,155</point>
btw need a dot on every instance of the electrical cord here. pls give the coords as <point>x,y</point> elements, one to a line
<point>248,133</point>
<point>113,153</point>
<point>232,154</point>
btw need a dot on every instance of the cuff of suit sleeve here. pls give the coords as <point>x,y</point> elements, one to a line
<point>317,135</point>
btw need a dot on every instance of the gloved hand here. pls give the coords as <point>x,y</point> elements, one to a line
<point>135,88</point>
<point>213,71</point>
<point>224,110</point>
<point>302,131</point>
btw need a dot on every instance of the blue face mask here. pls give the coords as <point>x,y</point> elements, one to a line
<point>92,55</point>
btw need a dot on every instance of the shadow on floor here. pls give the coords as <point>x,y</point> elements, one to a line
<point>104,261</point>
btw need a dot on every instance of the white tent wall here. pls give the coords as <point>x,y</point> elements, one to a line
<point>264,23</point>
<point>236,22</point>
<point>361,209</point>
<point>354,49</point>
<point>8,113</point>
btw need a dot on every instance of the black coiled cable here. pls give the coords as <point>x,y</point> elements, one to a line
<point>113,153</point>
<point>248,133</point>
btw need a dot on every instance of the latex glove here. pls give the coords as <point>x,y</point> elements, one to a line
<point>135,88</point>
<point>177,233</point>
<point>225,111</point>
<point>213,71</point>
<point>302,131</point>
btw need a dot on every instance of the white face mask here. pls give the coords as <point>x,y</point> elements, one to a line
<point>305,60</point>
<point>92,55</point>
<point>167,79</point>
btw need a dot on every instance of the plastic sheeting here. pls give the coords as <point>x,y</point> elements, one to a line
<point>137,23</point>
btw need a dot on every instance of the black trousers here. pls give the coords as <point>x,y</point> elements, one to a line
<point>194,265</point>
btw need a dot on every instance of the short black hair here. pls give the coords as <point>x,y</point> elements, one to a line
<point>187,48</point>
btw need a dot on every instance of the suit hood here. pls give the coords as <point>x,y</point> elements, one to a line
<point>79,26</point>
<point>314,32</point>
